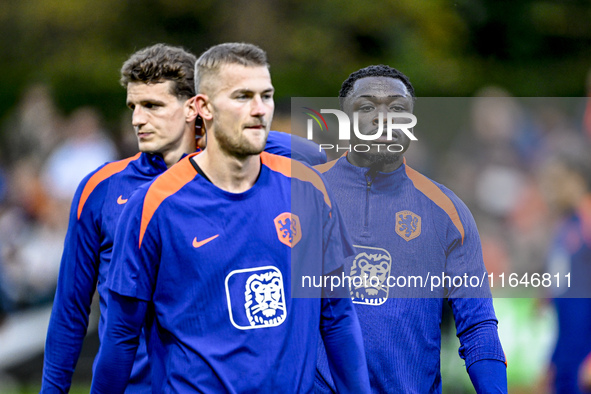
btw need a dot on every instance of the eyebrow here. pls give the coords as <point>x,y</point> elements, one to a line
<point>142,102</point>
<point>251,91</point>
<point>374,96</point>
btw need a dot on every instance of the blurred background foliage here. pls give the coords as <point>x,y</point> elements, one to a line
<point>448,48</point>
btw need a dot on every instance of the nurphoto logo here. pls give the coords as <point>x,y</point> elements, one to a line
<point>402,121</point>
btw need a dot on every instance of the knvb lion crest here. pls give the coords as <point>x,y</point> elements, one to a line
<point>369,274</point>
<point>288,229</point>
<point>408,225</point>
<point>265,299</point>
<point>256,297</point>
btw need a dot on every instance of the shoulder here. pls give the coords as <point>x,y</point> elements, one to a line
<point>339,174</point>
<point>173,179</point>
<point>326,167</point>
<point>98,177</point>
<point>294,169</point>
<point>446,200</point>
<point>151,195</point>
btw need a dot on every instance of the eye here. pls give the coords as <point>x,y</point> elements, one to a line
<point>242,96</point>
<point>398,108</point>
<point>366,108</point>
<point>268,96</point>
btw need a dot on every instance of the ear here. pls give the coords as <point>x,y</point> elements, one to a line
<point>190,110</point>
<point>203,106</point>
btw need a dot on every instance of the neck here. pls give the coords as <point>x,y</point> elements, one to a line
<point>188,145</point>
<point>171,158</point>
<point>229,173</point>
<point>391,163</point>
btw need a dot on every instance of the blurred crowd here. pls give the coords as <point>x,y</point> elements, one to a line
<point>43,157</point>
<point>497,166</point>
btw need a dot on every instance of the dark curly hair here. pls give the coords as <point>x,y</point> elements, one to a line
<point>380,70</point>
<point>159,63</point>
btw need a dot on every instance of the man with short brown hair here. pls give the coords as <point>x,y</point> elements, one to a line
<point>158,81</point>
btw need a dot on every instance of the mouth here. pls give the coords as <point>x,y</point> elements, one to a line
<point>143,134</point>
<point>256,126</point>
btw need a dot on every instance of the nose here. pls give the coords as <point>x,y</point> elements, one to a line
<point>380,115</point>
<point>138,118</point>
<point>259,108</point>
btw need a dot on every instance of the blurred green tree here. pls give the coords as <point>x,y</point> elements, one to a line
<point>531,47</point>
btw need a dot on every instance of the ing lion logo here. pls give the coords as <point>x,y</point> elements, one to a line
<point>265,303</point>
<point>288,228</point>
<point>408,225</point>
<point>369,274</point>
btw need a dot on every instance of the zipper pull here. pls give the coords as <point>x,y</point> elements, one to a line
<point>369,177</point>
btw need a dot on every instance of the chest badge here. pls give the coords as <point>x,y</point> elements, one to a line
<point>408,225</point>
<point>370,271</point>
<point>288,228</point>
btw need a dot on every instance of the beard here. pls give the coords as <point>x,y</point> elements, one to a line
<point>383,157</point>
<point>239,146</point>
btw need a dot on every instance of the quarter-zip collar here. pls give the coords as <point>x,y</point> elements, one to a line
<point>152,163</point>
<point>377,181</point>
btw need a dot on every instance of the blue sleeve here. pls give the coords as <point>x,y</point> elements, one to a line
<point>343,341</point>
<point>474,315</point>
<point>481,341</point>
<point>307,151</point>
<point>125,318</point>
<point>464,254</point>
<point>295,147</point>
<point>488,377</point>
<point>75,289</point>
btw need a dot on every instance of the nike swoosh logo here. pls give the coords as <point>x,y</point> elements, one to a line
<point>121,201</point>
<point>198,244</point>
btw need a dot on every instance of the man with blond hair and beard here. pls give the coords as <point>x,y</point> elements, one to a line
<point>207,251</point>
<point>160,94</point>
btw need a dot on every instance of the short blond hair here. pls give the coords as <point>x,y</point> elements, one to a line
<point>210,62</point>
